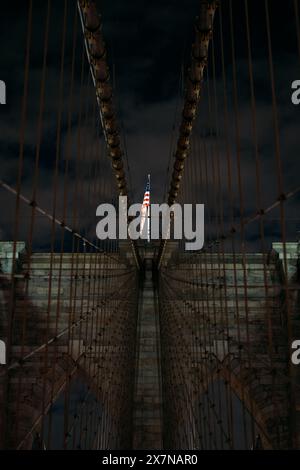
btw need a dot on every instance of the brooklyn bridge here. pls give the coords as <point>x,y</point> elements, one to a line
<point>138,344</point>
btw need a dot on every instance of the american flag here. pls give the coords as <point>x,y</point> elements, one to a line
<point>145,210</point>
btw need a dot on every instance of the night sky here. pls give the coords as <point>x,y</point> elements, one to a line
<point>149,47</point>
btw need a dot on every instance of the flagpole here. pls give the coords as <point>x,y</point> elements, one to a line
<point>148,225</point>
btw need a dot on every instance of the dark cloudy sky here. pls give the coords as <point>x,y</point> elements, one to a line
<point>148,48</point>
